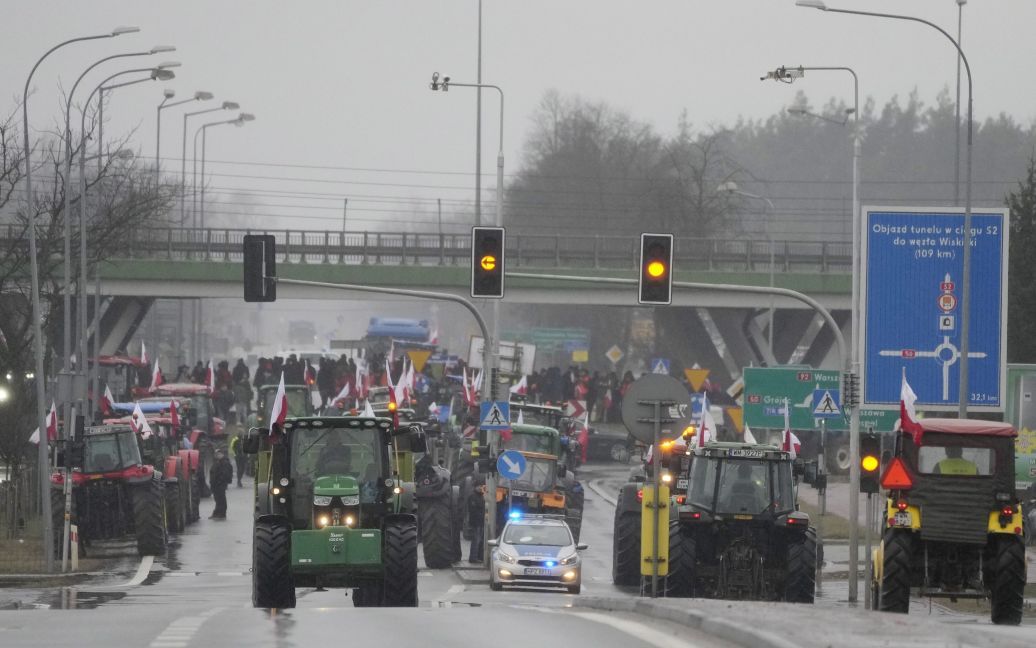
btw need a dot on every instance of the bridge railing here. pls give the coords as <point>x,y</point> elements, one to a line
<point>523,250</point>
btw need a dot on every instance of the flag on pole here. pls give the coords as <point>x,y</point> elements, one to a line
<point>210,377</point>
<point>707,424</point>
<point>156,377</point>
<point>339,400</point>
<point>139,422</point>
<point>52,426</point>
<point>521,419</point>
<point>477,384</point>
<point>368,411</point>
<point>521,387</point>
<point>749,437</point>
<point>106,401</point>
<point>908,413</point>
<point>433,336</point>
<point>143,353</point>
<point>280,407</point>
<point>174,417</point>
<point>790,442</point>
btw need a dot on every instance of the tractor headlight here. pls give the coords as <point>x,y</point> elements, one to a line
<point>571,560</point>
<point>349,520</point>
<point>285,481</point>
<point>322,500</point>
<point>349,500</point>
<point>323,521</point>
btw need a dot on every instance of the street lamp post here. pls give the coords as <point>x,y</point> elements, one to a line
<point>789,75</point>
<point>200,95</point>
<point>965,323</point>
<point>956,111</point>
<point>37,316</point>
<point>768,214</point>
<point>490,350</point>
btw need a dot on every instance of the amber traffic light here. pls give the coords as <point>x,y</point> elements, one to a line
<point>870,462</point>
<point>487,262</point>
<point>656,269</point>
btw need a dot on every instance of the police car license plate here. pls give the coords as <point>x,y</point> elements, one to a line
<point>536,571</point>
<point>902,518</point>
<point>681,483</point>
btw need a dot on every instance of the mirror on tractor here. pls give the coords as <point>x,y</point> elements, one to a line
<point>251,442</point>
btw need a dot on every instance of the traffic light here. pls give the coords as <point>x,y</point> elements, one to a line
<point>656,269</point>
<point>487,262</point>
<point>260,268</point>
<point>870,462</point>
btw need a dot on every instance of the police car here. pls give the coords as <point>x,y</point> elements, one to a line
<point>536,551</point>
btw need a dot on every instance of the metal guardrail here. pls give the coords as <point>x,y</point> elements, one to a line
<point>523,250</point>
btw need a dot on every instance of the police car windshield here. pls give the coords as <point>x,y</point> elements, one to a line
<point>551,535</point>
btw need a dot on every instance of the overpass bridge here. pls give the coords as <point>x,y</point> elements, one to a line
<point>726,330</point>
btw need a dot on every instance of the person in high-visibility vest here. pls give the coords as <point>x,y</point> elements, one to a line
<point>955,463</point>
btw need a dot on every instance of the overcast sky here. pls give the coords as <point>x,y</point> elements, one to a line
<point>344,83</point>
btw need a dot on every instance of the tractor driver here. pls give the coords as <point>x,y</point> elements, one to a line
<point>743,495</point>
<point>334,457</point>
<point>955,463</point>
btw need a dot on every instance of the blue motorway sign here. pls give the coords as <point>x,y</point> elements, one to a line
<point>912,269</point>
<point>510,464</point>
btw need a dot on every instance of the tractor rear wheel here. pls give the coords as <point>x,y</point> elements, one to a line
<point>436,520</point>
<point>626,549</point>
<point>1008,586</point>
<point>574,509</point>
<point>801,582</point>
<point>399,558</point>
<point>177,516</point>
<point>272,583</point>
<point>149,518</point>
<point>682,556</point>
<point>897,557</point>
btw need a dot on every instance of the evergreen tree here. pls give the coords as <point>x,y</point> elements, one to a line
<point>1021,293</point>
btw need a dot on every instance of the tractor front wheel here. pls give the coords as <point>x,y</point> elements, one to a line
<point>897,556</point>
<point>801,582</point>
<point>149,518</point>
<point>1008,586</point>
<point>272,583</point>
<point>400,563</point>
<point>436,531</point>
<point>682,557</point>
<point>626,549</point>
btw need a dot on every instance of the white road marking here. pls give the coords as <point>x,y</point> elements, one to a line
<point>179,633</point>
<point>146,562</point>
<point>595,487</point>
<point>636,630</point>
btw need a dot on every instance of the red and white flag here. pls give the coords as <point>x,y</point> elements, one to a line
<point>280,407</point>
<point>433,336</point>
<point>521,387</point>
<point>139,422</point>
<point>469,395</point>
<point>143,353</point>
<point>707,424</point>
<point>156,377</point>
<point>174,417</point>
<point>748,436</point>
<point>339,400</point>
<point>790,442</point>
<point>106,401</point>
<point>210,377</point>
<point>908,413</point>
<point>476,384</point>
<point>360,382</point>
<point>368,411</point>
<point>52,426</point>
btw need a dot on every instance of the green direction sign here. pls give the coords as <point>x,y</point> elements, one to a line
<point>766,389</point>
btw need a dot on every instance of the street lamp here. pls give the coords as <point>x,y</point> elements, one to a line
<point>239,121</point>
<point>226,105</point>
<point>37,316</point>
<point>731,187</point>
<point>965,327</point>
<point>788,75</point>
<point>168,94</point>
<point>490,347</point>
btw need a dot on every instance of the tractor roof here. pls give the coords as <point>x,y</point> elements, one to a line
<point>741,450</point>
<point>287,387</point>
<point>336,422</point>
<point>536,430</point>
<point>182,389</point>
<point>530,407</point>
<point>967,426</point>
<point>120,360</point>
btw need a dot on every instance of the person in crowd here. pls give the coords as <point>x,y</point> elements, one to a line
<point>237,451</point>
<point>220,476</point>
<point>198,373</point>
<point>326,381</point>
<point>240,371</point>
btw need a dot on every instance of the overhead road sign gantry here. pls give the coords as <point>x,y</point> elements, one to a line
<point>912,275</point>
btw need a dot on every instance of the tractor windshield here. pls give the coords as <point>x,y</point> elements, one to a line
<point>960,461</point>
<point>109,452</point>
<point>337,451</point>
<point>538,476</point>
<point>740,486</point>
<point>201,404</point>
<point>524,442</point>
<point>298,399</point>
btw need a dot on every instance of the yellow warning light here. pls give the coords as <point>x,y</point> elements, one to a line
<point>869,463</point>
<point>392,406</point>
<point>689,431</point>
<point>666,445</point>
<point>488,262</point>
<point>656,269</point>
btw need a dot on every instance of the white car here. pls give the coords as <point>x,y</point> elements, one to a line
<point>536,551</point>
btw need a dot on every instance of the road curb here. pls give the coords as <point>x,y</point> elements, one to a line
<point>594,485</point>
<point>734,632</point>
<point>472,575</point>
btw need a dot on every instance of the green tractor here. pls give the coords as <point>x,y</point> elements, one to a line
<point>333,511</point>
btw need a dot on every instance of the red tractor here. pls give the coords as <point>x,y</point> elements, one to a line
<point>207,431</point>
<point>114,493</point>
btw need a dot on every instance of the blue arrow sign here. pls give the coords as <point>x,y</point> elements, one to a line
<point>911,306</point>
<point>510,464</point>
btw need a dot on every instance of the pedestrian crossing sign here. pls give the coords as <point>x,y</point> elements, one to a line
<point>825,403</point>
<point>660,366</point>
<point>495,415</point>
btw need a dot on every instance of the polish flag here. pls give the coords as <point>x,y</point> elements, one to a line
<point>433,336</point>
<point>339,400</point>
<point>280,407</point>
<point>477,383</point>
<point>521,387</point>
<point>907,412</point>
<point>156,377</point>
<point>174,417</point>
<point>469,396</point>
<point>790,443</point>
<point>706,424</point>
<point>52,426</point>
<point>143,353</point>
<point>360,381</point>
<point>368,411</point>
<point>521,419</point>
<point>210,377</point>
<point>139,422</point>
<point>584,435</point>
<point>106,401</point>
<point>749,437</point>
